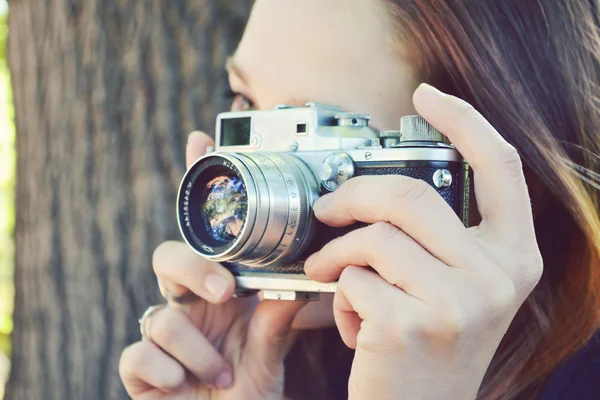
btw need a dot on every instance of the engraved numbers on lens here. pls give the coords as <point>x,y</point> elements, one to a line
<point>294,204</point>
<point>186,203</point>
<point>293,215</point>
<point>228,164</point>
<point>264,163</point>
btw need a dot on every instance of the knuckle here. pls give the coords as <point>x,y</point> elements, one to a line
<point>444,322</point>
<point>537,267</point>
<point>450,320</point>
<point>456,319</point>
<point>408,327</point>
<point>383,232</point>
<point>510,161</point>
<point>531,271</point>
<point>350,186</point>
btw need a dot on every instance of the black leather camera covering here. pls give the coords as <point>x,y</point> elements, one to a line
<point>456,195</point>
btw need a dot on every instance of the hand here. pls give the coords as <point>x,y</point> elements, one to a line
<point>427,323</point>
<point>215,347</point>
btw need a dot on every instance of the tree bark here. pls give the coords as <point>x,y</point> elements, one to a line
<point>105,93</point>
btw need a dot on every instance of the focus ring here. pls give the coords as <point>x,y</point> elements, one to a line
<point>297,208</point>
<point>272,210</point>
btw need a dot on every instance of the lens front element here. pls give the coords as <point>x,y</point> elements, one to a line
<point>224,203</point>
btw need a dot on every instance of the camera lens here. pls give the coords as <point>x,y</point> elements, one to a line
<point>214,204</point>
<point>224,204</point>
<point>250,208</point>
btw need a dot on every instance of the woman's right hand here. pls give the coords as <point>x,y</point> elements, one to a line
<point>214,347</point>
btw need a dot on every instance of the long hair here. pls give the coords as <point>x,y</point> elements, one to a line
<point>532,68</point>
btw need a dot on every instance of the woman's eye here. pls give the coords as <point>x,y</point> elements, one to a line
<point>239,101</point>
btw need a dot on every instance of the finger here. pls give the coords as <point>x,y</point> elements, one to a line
<point>359,297</point>
<point>393,254</point>
<point>410,204</point>
<point>196,146</point>
<point>172,331</point>
<point>269,329</point>
<point>500,187</point>
<point>346,319</point>
<point>144,366</point>
<point>180,270</point>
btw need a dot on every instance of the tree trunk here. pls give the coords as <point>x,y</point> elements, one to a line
<point>105,94</point>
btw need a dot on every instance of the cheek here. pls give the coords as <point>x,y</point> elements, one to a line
<point>316,314</point>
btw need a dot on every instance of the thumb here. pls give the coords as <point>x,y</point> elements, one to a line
<point>196,146</point>
<point>269,331</point>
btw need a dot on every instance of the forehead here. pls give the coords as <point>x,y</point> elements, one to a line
<point>301,37</point>
<point>342,52</point>
<point>349,22</point>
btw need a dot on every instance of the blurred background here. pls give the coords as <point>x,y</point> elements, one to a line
<point>7,211</point>
<point>97,98</point>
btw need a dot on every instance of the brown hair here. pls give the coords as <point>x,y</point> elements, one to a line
<point>532,68</point>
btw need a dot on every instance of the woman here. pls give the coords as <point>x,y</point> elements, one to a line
<point>447,312</point>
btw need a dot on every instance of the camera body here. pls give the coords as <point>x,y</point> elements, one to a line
<point>248,203</point>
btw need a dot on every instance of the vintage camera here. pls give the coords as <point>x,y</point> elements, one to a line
<point>248,203</point>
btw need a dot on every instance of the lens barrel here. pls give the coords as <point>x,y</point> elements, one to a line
<point>249,208</point>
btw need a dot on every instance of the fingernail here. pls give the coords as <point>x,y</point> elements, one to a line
<point>432,90</point>
<point>216,284</point>
<point>322,203</point>
<point>224,380</point>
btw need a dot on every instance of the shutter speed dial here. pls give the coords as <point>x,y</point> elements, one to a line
<point>336,169</point>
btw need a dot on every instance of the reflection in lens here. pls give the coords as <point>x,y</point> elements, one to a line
<point>224,206</point>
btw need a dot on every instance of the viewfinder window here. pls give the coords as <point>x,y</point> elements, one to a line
<point>300,128</point>
<point>235,131</point>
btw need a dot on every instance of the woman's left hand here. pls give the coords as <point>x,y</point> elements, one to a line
<point>428,322</point>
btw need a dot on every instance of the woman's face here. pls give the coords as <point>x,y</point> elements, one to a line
<point>339,52</point>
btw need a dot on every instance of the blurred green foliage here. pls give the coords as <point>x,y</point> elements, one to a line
<point>7,208</point>
<point>3,33</point>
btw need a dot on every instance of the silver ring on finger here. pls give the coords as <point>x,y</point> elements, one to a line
<point>186,298</point>
<point>144,325</point>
